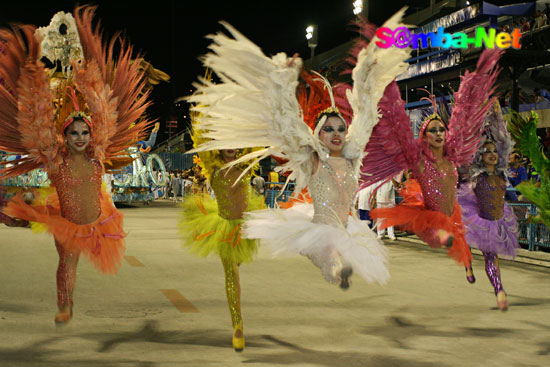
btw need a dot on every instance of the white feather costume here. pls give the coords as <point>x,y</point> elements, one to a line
<point>255,105</point>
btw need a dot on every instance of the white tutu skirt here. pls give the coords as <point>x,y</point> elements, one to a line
<point>291,231</point>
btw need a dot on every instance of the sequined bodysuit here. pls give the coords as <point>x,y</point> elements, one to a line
<point>490,191</point>
<point>438,187</point>
<point>232,200</point>
<point>332,189</point>
<point>79,189</point>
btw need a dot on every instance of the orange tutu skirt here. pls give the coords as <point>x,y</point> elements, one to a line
<point>411,215</point>
<point>101,241</point>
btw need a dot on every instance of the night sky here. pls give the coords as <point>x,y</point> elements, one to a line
<point>171,33</point>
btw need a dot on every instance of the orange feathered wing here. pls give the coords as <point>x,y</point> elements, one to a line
<point>112,90</point>
<point>27,124</point>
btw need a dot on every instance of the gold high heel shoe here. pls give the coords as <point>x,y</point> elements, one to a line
<point>238,337</point>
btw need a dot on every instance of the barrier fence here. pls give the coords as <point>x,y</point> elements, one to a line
<point>532,236</point>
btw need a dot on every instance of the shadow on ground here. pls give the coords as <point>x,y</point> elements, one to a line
<point>299,355</point>
<point>150,333</point>
<point>400,331</point>
<point>43,354</point>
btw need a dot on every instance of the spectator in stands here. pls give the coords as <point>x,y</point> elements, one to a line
<point>538,95</point>
<point>525,26</point>
<point>385,198</point>
<point>175,184</point>
<point>540,20</point>
<point>518,173</point>
<point>273,177</point>
<point>364,201</point>
<point>546,141</point>
<point>259,184</point>
<point>199,181</point>
<point>546,12</point>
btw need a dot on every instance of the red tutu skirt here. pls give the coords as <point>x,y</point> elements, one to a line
<point>102,241</point>
<point>411,215</point>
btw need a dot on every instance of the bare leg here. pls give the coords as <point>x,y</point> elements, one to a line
<point>66,279</point>
<point>233,292</point>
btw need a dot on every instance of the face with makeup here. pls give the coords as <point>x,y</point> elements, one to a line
<point>435,134</point>
<point>77,136</point>
<point>489,157</point>
<point>332,134</point>
<point>228,154</point>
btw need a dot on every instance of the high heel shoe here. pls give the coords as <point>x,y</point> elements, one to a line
<point>238,337</point>
<point>502,301</point>
<point>470,275</point>
<point>63,317</point>
<point>345,275</point>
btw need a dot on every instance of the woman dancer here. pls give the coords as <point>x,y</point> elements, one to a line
<point>214,225</point>
<point>491,226</point>
<point>72,126</point>
<point>256,105</point>
<point>430,209</point>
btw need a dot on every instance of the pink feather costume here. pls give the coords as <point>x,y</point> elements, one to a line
<point>430,201</point>
<point>78,213</point>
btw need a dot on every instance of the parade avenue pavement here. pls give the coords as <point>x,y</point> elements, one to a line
<point>166,307</point>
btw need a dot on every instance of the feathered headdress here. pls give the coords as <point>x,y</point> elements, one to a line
<point>72,107</point>
<point>35,105</point>
<point>495,132</point>
<point>316,98</point>
<point>429,117</point>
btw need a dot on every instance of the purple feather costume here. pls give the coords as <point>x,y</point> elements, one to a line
<point>491,225</point>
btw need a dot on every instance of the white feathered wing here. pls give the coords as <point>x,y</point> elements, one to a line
<point>376,68</point>
<point>254,105</point>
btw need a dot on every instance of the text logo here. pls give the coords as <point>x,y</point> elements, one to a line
<point>402,38</point>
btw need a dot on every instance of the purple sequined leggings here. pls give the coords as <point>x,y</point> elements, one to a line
<point>493,271</point>
<point>66,275</point>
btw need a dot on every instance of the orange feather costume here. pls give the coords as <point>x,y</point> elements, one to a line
<point>35,109</point>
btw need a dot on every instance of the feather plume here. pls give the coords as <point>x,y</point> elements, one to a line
<point>495,131</point>
<point>254,106</point>
<point>471,106</point>
<point>376,68</point>
<point>26,111</point>
<point>113,90</point>
<point>391,148</point>
<point>516,125</point>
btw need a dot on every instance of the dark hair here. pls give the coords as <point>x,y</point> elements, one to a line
<point>327,114</point>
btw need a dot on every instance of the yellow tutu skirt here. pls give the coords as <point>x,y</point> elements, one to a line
<point>205,232</point>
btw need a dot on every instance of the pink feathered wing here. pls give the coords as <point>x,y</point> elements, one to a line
<point>470,108</point>
<point>391,147</point>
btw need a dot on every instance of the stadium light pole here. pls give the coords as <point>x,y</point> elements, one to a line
<point>311,36</point>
